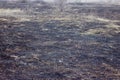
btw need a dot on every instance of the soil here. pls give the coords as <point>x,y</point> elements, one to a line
<point>58,50</point>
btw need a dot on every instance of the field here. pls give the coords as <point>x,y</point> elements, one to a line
<point>38,42</point>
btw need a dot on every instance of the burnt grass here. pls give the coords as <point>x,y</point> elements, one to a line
<point>57,52</point>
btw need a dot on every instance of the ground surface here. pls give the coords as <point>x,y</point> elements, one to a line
<point>44,45</point>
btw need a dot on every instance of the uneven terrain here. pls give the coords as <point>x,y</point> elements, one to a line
<point>40,43</point>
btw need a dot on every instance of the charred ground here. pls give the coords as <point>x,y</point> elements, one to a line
<point>39,43</point>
